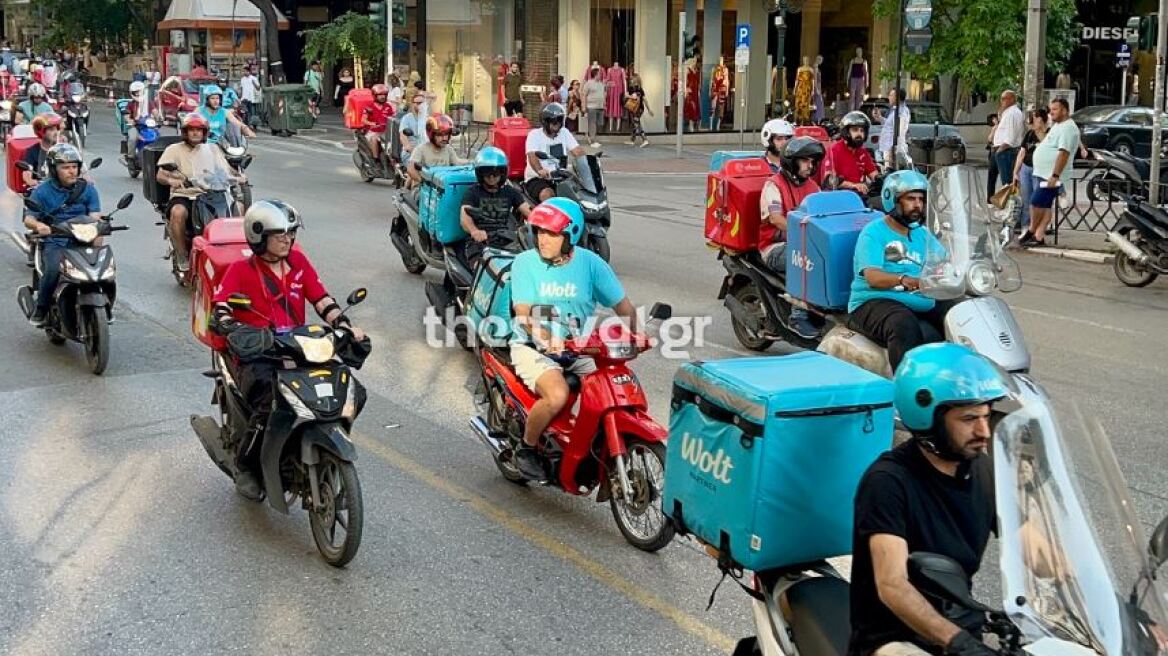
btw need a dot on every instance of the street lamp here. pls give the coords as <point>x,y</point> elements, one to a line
<point>781,8</point>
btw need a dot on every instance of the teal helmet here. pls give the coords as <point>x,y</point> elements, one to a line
<point>209,90</point>
<point>899,183</point>
<point>490,160</point>
<point>561,216</point>
<point>934,376</point>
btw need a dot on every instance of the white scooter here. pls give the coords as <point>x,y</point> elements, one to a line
<point>1077,578</point>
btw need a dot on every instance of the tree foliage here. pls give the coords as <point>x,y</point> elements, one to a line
<point>106,24</point>
<point>350,36</point>
<point>983,42</point>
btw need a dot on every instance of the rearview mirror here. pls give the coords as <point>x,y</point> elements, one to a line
<point>95,163</point>
<point>357,296</point>
<point>545,156</point>
<point>895,252</point>
<point>241,301</point>
<point>661,311</point>
<point>24,166</point>
<point>941,577</point>
<point>125,201</point>
<point>1158,546</point>
<point>168,167</point>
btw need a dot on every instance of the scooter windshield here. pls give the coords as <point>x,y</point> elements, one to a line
<point>1073,556</point>
<point>968,255</point>
<point>588,171</point>
<point>76,89</point>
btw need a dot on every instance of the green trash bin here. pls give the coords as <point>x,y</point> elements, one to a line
<point>286,107</point>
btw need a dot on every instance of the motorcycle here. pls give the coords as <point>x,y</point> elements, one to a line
<point>1059,494</point>
<point>418,248</point>
<point>610,444</point>
<point>1141,235</point>
<point>585,185</point>
<point>147,134</point>
<point>388,165</point>
<point>7,118</point>
<point>234,147</point>
<point>213,202</point>
<point>1123,174</point>
<point>76,111</point>
<point>83,300</point>
<point>306,450</point>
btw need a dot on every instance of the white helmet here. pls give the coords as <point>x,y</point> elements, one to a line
<point>268,217</point>
<point>36,89</point>
<point>776,127</point>
<point>137,87</point>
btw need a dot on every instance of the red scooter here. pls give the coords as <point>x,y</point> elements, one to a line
<point>609,444</point>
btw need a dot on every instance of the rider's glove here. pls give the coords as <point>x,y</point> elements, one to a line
<point>223,321</point>
<point>964,644</point>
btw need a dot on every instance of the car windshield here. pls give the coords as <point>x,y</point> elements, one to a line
<point>1095,115</point>
<point>928,114</point>
<point>1073,556</point>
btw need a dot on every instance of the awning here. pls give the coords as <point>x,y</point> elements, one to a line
<point>214,14</point>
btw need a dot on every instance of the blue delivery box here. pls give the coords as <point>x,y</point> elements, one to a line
<point>720,157</point>
<point>821,239</point>
<point>765,454</point>
<point>440,201</point>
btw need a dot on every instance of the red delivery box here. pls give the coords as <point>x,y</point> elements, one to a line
<point>509,134</point>
<point>732,198</point>
<point>16,147</point>
<point>816,132</point>
<point>356,102</point>
<point>221,244</point>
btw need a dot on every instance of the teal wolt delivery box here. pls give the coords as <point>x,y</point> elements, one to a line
<point>440,202</point>
<point>765,454</point>
<point>720,157</point>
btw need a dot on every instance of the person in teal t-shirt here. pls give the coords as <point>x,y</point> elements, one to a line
<point>886,304</point>
<point>572,280</point>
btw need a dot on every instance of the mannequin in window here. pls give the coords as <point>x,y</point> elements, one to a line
<point>693,85</point>
<point>817,92</point>
<point>616,83</point>
<point>719,92</point>
<point>804,87</point>
<point>858,79</point>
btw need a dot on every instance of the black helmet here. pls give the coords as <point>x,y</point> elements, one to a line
<point>854,120</point>
<point>797,149</point>
<point>552,113</point>
<point>62,154</point>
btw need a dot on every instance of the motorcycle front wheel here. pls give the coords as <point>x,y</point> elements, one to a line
<point>750,298</point>
<point>96,341</point>
<point>637,511</point>
<point>340,508</point>
<point>599,245</point>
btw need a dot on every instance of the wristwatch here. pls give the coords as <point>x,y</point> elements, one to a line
<point>901,280</point>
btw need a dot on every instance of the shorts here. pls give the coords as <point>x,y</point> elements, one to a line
<point>187,203</point>
<point>373,137</point>
<point>900,649</point>
<point>530,364</point>
<point>1044,196</point>
<point>535,187</point>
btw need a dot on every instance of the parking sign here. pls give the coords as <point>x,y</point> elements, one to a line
<point>743,37</point>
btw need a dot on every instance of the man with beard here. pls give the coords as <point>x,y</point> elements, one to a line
<point>849,162</point>
<point>886,304</point>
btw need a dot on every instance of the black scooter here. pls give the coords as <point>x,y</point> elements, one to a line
<point>1141,235</point>
<point>84,297</point>
<point>214,201</point>
<point>76,111</point>
<point>585,186</point>
<point>386,166</point>
<point>1122,175</point>
<point>760,309</point>
<point>306,450</point>
<point>235,151</point>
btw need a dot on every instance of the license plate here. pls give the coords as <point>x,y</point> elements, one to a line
<point>323,390</point>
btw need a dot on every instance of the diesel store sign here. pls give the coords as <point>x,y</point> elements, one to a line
<point>1109,33</point>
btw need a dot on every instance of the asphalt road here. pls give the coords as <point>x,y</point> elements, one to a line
<point>121,536</point>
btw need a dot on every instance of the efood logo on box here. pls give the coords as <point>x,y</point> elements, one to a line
<point>717,464</point>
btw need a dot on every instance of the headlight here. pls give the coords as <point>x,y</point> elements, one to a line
<point>620,350</point>
<point>151,123</point>
<point>110,271</point>
<point>593,207</point>
<point>316,350</point>
<point>298,406</point>
<point>6,105</point>
<point>981,279</point>
<point>76,98</point>
<point>84,232</point>
<point>191,103</point>
<point>235,151</point>
<point>69,270</point>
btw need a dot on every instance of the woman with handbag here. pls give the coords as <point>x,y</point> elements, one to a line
<point>1024,164</point>
<point>636,107</point>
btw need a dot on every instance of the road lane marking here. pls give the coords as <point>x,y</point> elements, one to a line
<point>512,523</point>
<point>1085,322</point>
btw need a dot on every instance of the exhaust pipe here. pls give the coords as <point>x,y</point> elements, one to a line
<point>497,445</point>
<point>1129,249</point>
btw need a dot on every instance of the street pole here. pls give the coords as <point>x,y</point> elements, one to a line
<point>742,109</point>
<point>681,82</point>
<point>896,85</point>
<point>1158,104</point>
<point>1034,64</point>
<point>389,39</point>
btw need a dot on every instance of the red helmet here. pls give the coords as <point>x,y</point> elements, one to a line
<point>196,121</point>
<point>438,124</point>
<point>44,122</point>
<point>380,90</point>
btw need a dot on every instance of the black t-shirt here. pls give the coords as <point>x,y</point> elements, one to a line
<point>1029,143</point>
<point>496,208</point>
<point>35,157</point>
<point>902,494</point>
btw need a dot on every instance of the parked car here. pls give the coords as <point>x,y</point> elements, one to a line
<point>1126,130</point>
<point>179,93</point>
<point>930,130</point>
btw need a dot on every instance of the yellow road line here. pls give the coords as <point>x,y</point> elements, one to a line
<point>604,575</point>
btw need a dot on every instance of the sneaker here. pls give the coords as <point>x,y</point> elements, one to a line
<point>803,327</point>
<point>631,142</point>
<point>37,319</point>
<point>182,262</point>
<point>644,143</point>
<point>248,486</point>
<point>595,144</point>
<point>529,463</point>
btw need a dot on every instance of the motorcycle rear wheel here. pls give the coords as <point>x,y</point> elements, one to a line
<point>97,341</point>
<point>646,468</point>
<point>749,296</point>
<point>359,162</point>
<point>341,506</point>
<point>1130,273</point>
<point>497,422</point>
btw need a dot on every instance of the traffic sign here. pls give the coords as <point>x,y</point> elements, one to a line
<point>742,40</point>
<point>741,57</point>
<point>918,13</point>
<point>1123,56</point>
<point>918,41</point>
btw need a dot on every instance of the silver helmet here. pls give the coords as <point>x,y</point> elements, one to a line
<point>269,217</point>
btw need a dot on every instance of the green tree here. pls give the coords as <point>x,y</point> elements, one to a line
<point>982,43</point>
<point>351,35</point>
<point>109,25</point>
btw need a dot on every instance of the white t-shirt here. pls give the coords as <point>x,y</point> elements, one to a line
<point>538,142</point>
<point>1062,136</point>
<point>250,87</point>
<point>1011,128</point>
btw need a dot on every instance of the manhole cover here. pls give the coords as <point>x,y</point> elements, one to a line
<point>645,208</point>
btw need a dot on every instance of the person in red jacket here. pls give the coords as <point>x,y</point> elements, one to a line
<point>377,118</point>
<point>849,164</point>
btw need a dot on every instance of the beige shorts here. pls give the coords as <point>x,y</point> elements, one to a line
<point>900,649</point>
<point>530,364</point>
<point>373,137</point>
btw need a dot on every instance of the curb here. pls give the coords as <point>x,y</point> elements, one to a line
<point>1090,257</point>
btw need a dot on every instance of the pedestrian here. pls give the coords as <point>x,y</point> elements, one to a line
<point>513,98</point>
<point>896,107</point>
<point>314,78</point>
<point>1008,135</point>
<point>249,92</point>
<point>1024,164</point>
<point>575,107</point>
<point>594,100</point>
<point>556,92</point>
<point>1052,157</point>
<point>345,84</point>
<point>396,93</point>
<point>636,106</point>
<point>993,175</point>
